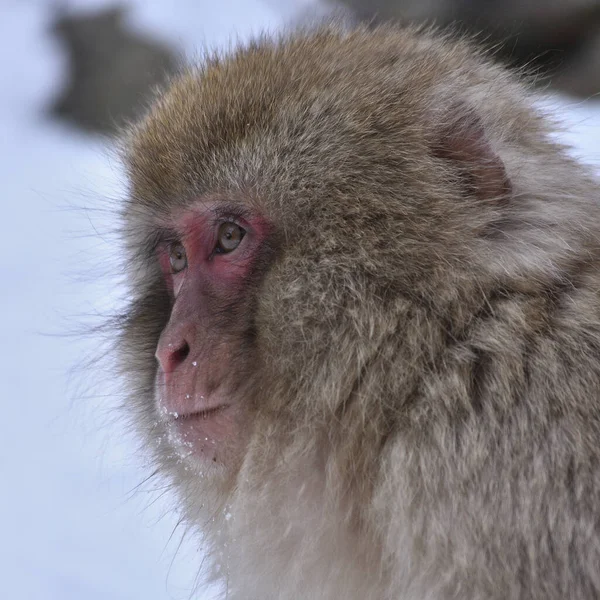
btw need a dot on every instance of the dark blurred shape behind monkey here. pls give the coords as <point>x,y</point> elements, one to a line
<point>558,39</point>
<point>112,70</point>
<point>364,332</point>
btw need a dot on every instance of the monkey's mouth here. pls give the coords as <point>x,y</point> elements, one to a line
<point>200,414</point>
<point>202,434</point>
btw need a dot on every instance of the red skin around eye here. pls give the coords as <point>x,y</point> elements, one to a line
<point>197,229</point>
<point>196,384</point>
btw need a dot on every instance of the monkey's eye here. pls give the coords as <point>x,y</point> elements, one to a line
<point>229,237</point>
<point>177,257</point>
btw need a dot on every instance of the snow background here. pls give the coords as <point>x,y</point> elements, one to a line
<point>71,524</point>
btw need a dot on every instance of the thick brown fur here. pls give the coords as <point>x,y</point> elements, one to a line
<point>426,370</point>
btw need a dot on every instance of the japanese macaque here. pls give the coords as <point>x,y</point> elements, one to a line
<point>364,332</point>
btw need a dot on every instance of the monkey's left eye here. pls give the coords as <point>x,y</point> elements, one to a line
<point>229,237</point>
<point>177,258</point>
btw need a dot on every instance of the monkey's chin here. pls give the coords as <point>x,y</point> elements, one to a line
<point>204,435</point>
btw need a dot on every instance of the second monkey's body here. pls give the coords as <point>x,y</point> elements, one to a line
<point>409,332</point>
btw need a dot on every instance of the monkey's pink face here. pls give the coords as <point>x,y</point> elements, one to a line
<point>209,255</point>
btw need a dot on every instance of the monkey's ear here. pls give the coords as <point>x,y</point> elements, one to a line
<point>461,138</point>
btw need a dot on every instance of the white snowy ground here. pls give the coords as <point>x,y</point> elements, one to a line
<point>70,529</point>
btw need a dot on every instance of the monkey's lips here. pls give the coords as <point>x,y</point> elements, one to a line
<point>200,414</point>
<point>202,433</point>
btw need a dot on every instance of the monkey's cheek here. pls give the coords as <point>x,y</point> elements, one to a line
<point>206,436</point>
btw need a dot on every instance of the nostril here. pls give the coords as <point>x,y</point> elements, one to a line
<point>171,355</point>
<point>180,354</point>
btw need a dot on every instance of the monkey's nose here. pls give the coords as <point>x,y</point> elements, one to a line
<point>170,354</point>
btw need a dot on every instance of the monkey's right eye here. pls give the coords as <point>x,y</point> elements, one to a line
<point>177,258</point>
